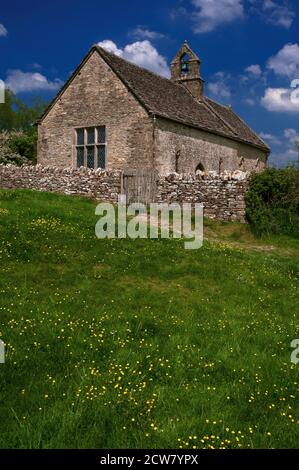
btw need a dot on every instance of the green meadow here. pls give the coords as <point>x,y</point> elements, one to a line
<point>143,344</point>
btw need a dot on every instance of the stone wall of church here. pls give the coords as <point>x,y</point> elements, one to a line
<point>181,148</point>
<point>96,97</point>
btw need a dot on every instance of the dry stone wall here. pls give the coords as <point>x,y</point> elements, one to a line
<point>222,195</point>
<point>101,185</point>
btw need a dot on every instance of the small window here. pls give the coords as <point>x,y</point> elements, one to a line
<point>91,147</point>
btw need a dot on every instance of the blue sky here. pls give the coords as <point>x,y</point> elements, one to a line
<point>249,51</point>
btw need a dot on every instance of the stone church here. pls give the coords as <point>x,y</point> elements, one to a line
<point>112,114</point>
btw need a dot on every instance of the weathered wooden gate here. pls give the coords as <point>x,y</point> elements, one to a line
<point>140,186</point>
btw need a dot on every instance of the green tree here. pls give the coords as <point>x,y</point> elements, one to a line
<point>7,111</point>
<point>16,115</point>
<point>17,126</point>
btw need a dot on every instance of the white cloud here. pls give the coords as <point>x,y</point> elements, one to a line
<point>289,152</point>
<point>18,81</point>
<point>278,13</point>
<point>272,139</point>
<point>142,32</point>
<point>210,14</point>
<point>219,88</point>
<point>254,70</point>
<point>141,53</point>
<point>292,135</point>
<point>279,99</point>
<point>110,46</point>
<point>282,159</point>
<point>36,66</point>
<point>286,61</point>
<point>252,78</point>
<point>3,30</point>
<point>179,12</point>
<point>249,101</point>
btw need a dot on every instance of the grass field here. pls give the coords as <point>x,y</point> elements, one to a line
<point>143,344</point>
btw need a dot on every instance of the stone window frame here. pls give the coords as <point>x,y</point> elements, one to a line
<point>86,145</point>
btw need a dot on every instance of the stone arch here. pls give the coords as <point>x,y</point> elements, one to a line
<point>185,57</point>
<point>200,171</point>
<point>200,167</point>
<point>184,63</point>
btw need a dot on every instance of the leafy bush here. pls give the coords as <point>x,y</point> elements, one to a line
<point>272,202</point>
<point>9,151</point>
<point>25,145</point>
<point>18,136</point>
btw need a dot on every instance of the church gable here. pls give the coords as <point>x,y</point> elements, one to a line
<point>94,98</point>
<point>92,80</point>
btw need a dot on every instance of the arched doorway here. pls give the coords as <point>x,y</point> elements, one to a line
<point>200,167</point>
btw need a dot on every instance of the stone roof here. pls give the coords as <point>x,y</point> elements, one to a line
<point>164,98</point>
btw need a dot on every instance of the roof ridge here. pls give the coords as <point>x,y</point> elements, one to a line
<point>204,103</point>
<point>101,50</point>
<point>250,128</point>
<point>134,65</point>
<point>218,115</point>
<point>242,120</point>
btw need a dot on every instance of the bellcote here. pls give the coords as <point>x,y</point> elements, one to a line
<point>185,69</point>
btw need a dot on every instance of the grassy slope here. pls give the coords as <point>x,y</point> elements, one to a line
<point>121,343</point>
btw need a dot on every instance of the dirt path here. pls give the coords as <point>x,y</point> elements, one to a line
<point>247,242</point>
